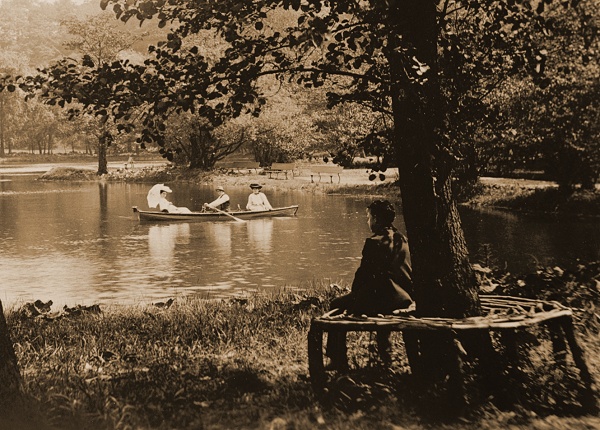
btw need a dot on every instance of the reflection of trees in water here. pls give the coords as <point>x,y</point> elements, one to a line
<point>163,238</point>
<point>260,233</point>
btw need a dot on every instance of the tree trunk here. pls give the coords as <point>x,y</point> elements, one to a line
<point>2,123</point>
<point>444,282</point>
<point>10,378</point>
<point>197,157</point>
<point>103,144</point>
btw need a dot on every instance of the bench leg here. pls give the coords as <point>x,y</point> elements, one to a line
<point>589,399</point>
<point>316,369</point>
<point>559,345</point>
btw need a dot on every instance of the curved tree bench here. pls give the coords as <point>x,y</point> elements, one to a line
<point>501,313</point>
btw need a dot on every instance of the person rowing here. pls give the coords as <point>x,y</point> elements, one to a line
<point>221,203</point>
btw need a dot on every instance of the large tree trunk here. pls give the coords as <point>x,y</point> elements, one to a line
<point>444,282</point>
<point>10,378</point>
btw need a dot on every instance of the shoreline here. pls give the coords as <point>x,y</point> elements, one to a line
<point>518,195</point>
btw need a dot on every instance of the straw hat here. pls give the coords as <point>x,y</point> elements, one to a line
<point>254,185</point>
<point>220,188</point>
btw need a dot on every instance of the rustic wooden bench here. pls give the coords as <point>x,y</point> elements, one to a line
<point>503,314</point>
<point>277,168</point>
<point>326,169</point>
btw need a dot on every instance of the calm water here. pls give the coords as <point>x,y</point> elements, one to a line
<point>80,243</point>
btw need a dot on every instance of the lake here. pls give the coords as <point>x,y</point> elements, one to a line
<point>80,243</point>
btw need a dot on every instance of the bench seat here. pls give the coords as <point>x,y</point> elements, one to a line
<point>326,169</point>
<point>277,168</point>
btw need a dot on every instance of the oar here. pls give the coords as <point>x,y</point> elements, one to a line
<point>229,215</point>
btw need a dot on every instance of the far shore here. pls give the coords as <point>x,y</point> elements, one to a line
<point>518,195</point>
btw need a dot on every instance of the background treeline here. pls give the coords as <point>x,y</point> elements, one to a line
<point>546,128</point>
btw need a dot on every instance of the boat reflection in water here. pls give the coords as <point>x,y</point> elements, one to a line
<point>162,240</point>
<point>219,239</point>
<point>260,235</point>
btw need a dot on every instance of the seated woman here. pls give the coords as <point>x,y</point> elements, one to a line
<point>381,284</point>
<point>257,201</point>
<point>166,206</point>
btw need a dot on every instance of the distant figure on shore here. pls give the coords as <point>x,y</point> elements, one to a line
<point>157,196</point>
<point>129,162</point>
<point>257,201</point>
<point>221,202</point>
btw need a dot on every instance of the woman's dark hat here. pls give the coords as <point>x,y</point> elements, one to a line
<point>255,186</point>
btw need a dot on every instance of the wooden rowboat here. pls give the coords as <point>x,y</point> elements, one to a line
<point>213,216</point>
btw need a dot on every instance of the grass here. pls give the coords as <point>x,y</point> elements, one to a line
<point>146,367</point>
<point>236,364</point>
<point>539,200</point>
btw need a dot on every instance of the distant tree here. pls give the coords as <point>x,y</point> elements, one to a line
<point>349,130</point>
<point>10,103</point>
<point>554,126</point>
<point>98,37</point>
<point>99,40</point>
<point>286,130</point>
<point>27,29</point>
<point>199,145</point>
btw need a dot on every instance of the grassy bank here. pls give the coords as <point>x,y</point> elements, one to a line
<point>549,200</point>
<point>242,364</point>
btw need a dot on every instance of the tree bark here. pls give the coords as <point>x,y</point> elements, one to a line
<point>103,143</point>
<point>444,282</point>
<point>10,378</point>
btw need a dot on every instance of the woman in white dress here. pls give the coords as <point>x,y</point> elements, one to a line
<point>165,205</point>
<point>257,201</point>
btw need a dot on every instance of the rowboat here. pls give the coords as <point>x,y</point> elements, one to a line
<point>213,216</point>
